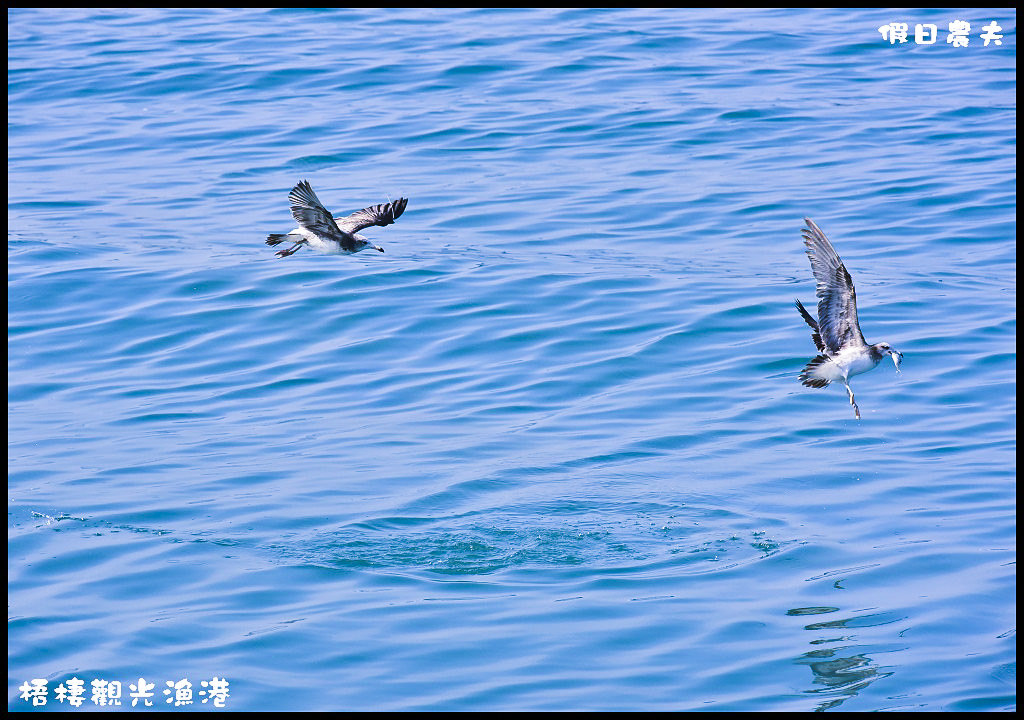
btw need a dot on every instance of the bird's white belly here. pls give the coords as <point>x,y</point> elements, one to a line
<point>844,365</point>
<point>315,242</point>
<point>853,361</point>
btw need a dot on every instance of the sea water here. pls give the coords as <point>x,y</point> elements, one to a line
<point>549,451</point>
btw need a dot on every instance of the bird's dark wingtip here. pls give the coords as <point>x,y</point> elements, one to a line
<point>398,207</point>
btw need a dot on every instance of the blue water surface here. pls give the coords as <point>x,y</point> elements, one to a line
<point>549,451</point>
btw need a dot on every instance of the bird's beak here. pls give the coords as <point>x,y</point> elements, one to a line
<point>897,358</point>
<point>380,248</point>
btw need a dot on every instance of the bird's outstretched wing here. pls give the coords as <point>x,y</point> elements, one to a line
<point>815,333</point>
<point>383,214</point>
<point>310,213</point>
<point>837,300</point>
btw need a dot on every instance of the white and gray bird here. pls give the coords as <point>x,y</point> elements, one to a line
<point>332,235</point>
<point>843,351</point>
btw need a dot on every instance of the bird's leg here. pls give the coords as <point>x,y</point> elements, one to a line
<point>289,251</point>
<point>850,393</point>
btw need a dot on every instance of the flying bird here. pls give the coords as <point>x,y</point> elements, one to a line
<point>332,235</point>
<point>843,351</point>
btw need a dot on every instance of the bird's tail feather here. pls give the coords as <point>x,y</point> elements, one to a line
<point>276,238</point>
<point>808,378</point>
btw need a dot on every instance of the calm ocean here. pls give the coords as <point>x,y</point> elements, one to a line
<point>549,451</point>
